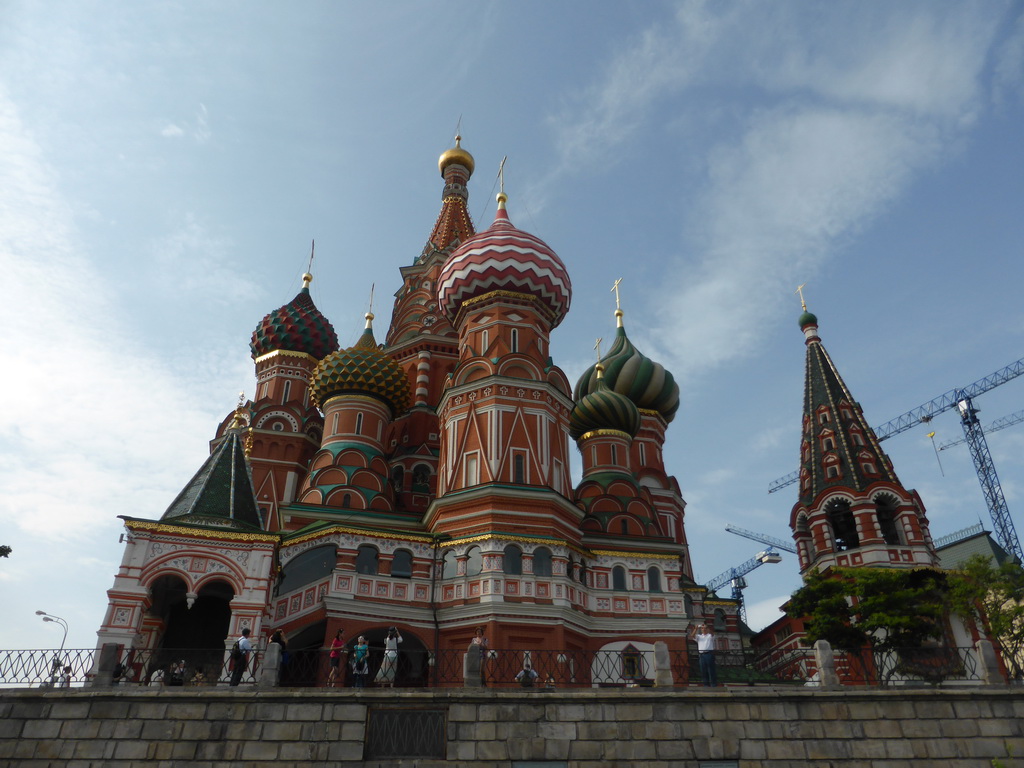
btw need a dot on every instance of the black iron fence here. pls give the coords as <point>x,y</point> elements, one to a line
<point>500,668</point>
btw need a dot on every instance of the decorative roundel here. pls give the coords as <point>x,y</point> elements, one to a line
<point>639,378</point>
<point>504,258</point>
<point>361,369</point>
<point>298,326</point>
<point>604,409</point>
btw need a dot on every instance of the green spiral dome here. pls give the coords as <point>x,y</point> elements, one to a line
<point>629,373</point>
<point>604,409</point>
<point>298,326</point>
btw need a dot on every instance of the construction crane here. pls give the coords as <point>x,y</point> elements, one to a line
<point>974,436</point>
<point>785,546</point>
<point>734,576</point>
<point>995,426</point>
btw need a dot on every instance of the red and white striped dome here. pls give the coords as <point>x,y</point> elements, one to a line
<point>504,258</point>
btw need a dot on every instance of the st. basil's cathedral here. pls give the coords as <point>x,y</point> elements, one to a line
<point>424,483</point>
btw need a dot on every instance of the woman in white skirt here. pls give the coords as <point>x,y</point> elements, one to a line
<point>389,666</point>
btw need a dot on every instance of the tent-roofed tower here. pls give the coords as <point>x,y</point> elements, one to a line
<point>853,511</point>
<point>422,340</point>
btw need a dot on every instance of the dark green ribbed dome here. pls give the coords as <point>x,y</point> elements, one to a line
<point>807,319</point>
<point>298,326</point>
<point>361,369</point>
<point>639,378</point>
<point>604,409</point>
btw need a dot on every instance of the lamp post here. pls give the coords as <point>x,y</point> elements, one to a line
<point>59,659</point>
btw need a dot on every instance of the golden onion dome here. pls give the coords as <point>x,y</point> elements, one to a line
<point>456,155</point>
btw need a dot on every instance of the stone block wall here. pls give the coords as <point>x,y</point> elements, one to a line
<point>641,728</point>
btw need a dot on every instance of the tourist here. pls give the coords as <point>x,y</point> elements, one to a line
<point>703,635</point>
<point>480,641</point>
<point>157,678</point>
<point>360,662</point>
<point>389,665</point>
<point>240,656</point>
<point>527,675</point>
<point>65,678</point>
<point>337,649</point>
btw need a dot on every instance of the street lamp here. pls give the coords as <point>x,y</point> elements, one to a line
<point>58,661</point>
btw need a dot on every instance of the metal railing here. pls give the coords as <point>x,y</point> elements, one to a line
<point>500,668</point>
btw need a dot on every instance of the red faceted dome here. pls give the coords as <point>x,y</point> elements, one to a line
<point>504,258</point>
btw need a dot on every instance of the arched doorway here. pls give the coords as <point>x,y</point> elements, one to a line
<point>413,658</point>
<point>193,634</point>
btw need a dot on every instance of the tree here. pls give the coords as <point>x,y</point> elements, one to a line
<point>879,607</point>
<point>996,594</point>
<point>4,550</point>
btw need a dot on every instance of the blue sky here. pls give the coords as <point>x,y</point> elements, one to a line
<point>165,166</point>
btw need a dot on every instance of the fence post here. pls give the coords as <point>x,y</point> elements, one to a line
<point>270,667</point>
<point>471,677</point>
<point>104,677</point>
<point>826,662</point>
<point>662,665</point>
<point>989,663</point>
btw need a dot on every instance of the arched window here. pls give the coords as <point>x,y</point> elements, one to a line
<point>421,478</point>
<point>688,606</point>
<point>474,561</point>
<point>653,579</point>
<point>518,469</point>
<point>844,527</point>
<point>583,572</point>
<point>450,567</point>
<point>366,559</point>
<point>287,391</point>
<point>619,578</point>
<point>346,500</point>
<point>719,620</point>
<point>886,508</point>
<point>401,564</point>
<point>512,560</point>
<point>542,561</point>
<point>359,423</point>
<point>514,340</point>
<point>398,478</point>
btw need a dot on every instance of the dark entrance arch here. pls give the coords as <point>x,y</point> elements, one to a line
<point>413,658</point>
<point>194,635</point>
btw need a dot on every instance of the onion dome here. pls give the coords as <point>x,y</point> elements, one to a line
<point>298,326</point>
<point>504,258</point>
<point>806,319</point>
<point>629,373</point>
<point>456,155</point>
<point>604,409</point>
<point>364,369</point>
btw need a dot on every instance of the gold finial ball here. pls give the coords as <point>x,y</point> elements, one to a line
<point>307,278</point>
<point>456,155</point>
<point>502,198</point>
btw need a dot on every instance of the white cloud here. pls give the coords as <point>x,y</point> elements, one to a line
<point>172,131</point>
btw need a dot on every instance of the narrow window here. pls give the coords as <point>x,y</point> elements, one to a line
<point>484,342</point>
<point>653,579</point>
<point>719,620</point>
<point>886,508</point>
<point>472,471</point>
<point>450,565</point>
<point>401,564</point>
<point>512,560</point>
<point>615,454</point>
<point>474,561</point>
<point>643,454</point>
<point>515,340</point>
<point>542,561</point>
<point>518,469</point>
<point>619,578</point>
<point>287,391</point>
<point>844,527</point>
<point>366,560</point>
<point>359,423</point>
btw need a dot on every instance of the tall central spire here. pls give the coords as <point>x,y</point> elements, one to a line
<point>453,224</point>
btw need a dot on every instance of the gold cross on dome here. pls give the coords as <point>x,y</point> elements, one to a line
<point>615,289</point>
<point>501,175</point>
<point>597,346</point>
<point>800,290</point>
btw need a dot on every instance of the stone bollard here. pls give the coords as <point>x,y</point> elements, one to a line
<point>662,666</point>
<point>270,669</point>
<point>988,663</point>
<point>104,677</point>
<point>826,662</point>
<point>471,668</point>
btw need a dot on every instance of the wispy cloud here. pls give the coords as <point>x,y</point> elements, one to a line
<point>849,105</point>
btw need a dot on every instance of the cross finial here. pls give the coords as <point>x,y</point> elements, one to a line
<point>372,286</point>
<point>615,289</point>
<point>501,175</point>
<point>800,290</point>
<point>308,277</point>
<point>597,346</point>
<point>312,252</point>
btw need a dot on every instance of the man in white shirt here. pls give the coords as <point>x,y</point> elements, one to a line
<point>241,658</point>
<point>704,636</point>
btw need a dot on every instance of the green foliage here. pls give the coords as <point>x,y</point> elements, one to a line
<point>996,594</point>
<point>880,607</point>
<point>4,550</point>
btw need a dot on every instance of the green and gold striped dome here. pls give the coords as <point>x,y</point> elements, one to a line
<point>604,409</point>
<point>362,369</point>
<point>639,378</point>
